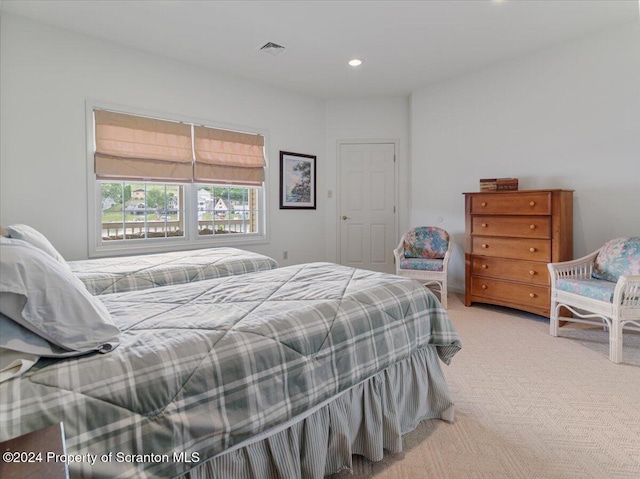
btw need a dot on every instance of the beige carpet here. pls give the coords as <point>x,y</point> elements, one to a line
<point>528,405</point>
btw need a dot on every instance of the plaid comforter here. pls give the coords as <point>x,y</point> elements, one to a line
<point>206,365</point>
<point>134,273</point>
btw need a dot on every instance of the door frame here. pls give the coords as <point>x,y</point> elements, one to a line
<point>396,183</point>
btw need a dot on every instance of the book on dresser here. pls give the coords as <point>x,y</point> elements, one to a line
<point>510,236</point>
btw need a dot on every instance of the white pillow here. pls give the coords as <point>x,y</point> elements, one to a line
<point>13,364</point>
<point>43,296</point>
<point>34,237</point>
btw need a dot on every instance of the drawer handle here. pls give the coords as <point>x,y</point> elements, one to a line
<point>484,266</point>
<point>532,295</point>
<point>532,227</point>
<point>484,203</point>
<point>532,203</point>
<point>484,245</point>
<point>484,286</point>
<point>533,250</point>
<point>532,273</point>
<point>484,225</point>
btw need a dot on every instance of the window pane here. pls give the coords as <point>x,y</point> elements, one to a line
<point>205,209</point>
<point>112,212</point>
<point>175,210</point>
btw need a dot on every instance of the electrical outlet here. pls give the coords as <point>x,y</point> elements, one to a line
<point>285,255</point>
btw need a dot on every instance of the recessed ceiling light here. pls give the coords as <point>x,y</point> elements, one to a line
<point>355,62</point>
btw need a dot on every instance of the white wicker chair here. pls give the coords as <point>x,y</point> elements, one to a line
<point>620,312</point>
<point>432,250</point>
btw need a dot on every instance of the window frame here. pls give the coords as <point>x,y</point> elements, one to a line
<point>191,239</point>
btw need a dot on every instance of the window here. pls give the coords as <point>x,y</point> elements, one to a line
<point>162,184</point>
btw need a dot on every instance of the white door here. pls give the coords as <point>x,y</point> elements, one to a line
<point>367,205</point>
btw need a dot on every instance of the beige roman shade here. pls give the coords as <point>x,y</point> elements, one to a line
<point>138,148</point>
<point>228,157</point>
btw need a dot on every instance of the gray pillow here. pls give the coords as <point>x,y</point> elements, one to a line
<point>34,237</point>
<point>43,296</point>
<point>17,338</point>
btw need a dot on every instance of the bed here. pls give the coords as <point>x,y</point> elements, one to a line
<point>271,374</point>
<point>134,273</point>
<point>138,272</point>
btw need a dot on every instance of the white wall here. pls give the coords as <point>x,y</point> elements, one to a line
<point>47,74</point>
<point>364,119</point>
<point>566,117</point>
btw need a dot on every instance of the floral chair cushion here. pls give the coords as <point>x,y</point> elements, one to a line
<point>591,288</point>
<point>618,257</point>
<point>422,264</point>
<point>427,242</point>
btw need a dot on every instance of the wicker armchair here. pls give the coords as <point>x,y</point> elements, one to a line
<point>600,288</point>
<point>423,254</point>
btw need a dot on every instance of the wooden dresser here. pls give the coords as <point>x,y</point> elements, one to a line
<point>510,237</point>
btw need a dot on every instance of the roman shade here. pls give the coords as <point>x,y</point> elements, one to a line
<point>139,148</point>
<point>228,157</point>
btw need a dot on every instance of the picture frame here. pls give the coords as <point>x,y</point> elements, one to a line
<point>297,181</point>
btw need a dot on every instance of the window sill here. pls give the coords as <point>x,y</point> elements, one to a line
<point>164,246</point>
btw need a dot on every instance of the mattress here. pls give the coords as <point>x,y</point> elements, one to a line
<point>205,367</point>
<point>133,273</point>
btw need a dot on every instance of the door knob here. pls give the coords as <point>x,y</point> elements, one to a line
<point>345,218</point>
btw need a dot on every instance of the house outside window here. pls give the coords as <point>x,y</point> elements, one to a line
<point>163,184</point>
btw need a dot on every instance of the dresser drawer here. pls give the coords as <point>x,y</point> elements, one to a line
<point>515,226</point>
<point>512,248</point>
<point>524,271</point>
<point>538,203</point>
<point>514,293</point>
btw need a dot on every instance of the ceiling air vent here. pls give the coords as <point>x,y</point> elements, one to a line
<point>272,48</point>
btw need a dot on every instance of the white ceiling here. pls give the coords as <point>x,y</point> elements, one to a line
<point>405,44</point>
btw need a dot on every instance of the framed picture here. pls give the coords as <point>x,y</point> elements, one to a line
<point>297,181</point>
